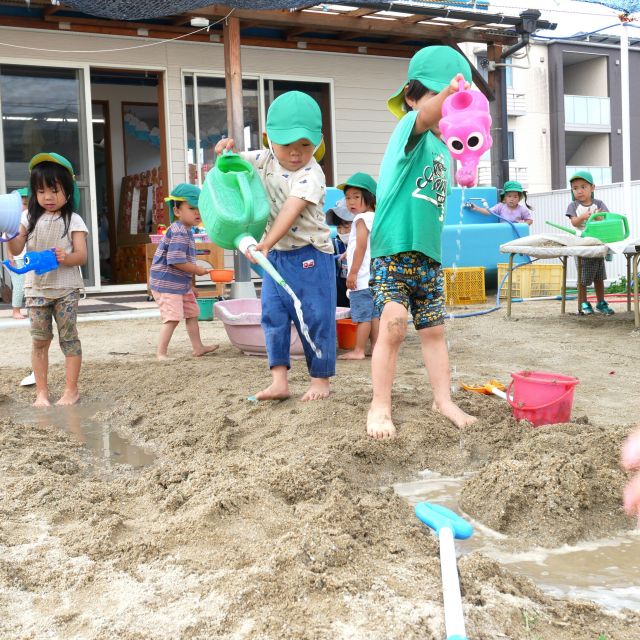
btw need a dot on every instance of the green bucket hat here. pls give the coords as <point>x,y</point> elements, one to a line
<point>63,162</point>
<point>584,175</point>
<point>434,67</point>
<point>293,116</point>
<point>23,191</point>
<point>511,185</point>
<point>361,181</point>
<point>182,193</point>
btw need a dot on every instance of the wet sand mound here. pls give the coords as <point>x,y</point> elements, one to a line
<point>559,484</point>
<point>269,521</point>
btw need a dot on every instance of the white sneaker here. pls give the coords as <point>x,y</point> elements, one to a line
<point>29,380</point>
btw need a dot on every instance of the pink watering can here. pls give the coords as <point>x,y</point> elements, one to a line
<point>465,126</point>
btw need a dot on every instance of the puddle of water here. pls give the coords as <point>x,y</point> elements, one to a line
<point>96,436</point>
<point>606,571</point>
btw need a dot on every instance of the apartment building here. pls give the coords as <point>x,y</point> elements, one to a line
<point>564,112</point>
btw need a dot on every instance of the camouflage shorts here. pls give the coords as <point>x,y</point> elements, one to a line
<point>413,280</point>
<point>65,312</point>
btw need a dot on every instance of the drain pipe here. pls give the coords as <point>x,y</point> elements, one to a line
<point>525,28</point>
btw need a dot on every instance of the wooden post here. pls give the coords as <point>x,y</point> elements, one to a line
<point>233,81</point>
<point>242,286</point>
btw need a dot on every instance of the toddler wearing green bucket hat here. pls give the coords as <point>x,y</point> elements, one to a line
<point>173,269</point>
<point>50,221</point>
<point>297,241</point>
<point>360,195</point>
<point>406,235</point>
<point>509,208</point>
<point>582,206</point>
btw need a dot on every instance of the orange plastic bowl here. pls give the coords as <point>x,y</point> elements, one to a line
<point>221,275</point>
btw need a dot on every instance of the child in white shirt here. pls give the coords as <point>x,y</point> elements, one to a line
<point>360,196</point>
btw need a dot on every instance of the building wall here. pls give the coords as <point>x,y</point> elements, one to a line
<point>588,78</point>
<point>361,84</point>
<point>594,150</point>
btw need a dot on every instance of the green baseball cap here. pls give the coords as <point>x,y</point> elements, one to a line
<point>182,192</point>
<point>63,162</point>
<point>360,181</point>
<point>511,185</point>
<point>584,175</point>
<point>434,67</point>
<point>293,116</point>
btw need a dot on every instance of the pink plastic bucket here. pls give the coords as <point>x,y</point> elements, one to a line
<point>541,397</point>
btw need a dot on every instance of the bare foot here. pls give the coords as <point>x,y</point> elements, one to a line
<point>379,425</point>
<point>42,400</point>
<point>163,356</point>
<point>352,355</point>
<point>273,392</point>
<point>68,398</point>
<point>454,413</point>
<point>206,348</point>
<point>319,389</point>
<point>16,315</point>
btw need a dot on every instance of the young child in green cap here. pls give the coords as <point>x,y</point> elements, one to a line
<point>49,222</point>
<point>582,206</point>
<point>360,196</point>
<point>172,271</point>
<point>406,235</point>
<point>297,242</point>
<point>509,208</point>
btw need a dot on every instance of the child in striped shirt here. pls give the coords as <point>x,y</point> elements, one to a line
<point>172,271</point>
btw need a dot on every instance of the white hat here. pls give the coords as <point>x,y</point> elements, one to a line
<point>340,210</point>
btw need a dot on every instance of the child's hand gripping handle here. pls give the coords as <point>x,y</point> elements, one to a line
<point>247,244</point>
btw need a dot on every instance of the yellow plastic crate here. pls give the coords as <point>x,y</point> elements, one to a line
<point>464,285</point>
<point>532,280</point>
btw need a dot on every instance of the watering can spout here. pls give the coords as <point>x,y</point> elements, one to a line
<point>21,270</point>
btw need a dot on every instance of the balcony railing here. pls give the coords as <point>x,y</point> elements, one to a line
<point>587,113</point>
<point>601,175</point>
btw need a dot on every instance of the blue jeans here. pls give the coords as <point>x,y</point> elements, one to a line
<point>311,274</point>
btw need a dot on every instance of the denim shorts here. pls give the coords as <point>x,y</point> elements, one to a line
<point>363,308</point>
<point>414,281</point>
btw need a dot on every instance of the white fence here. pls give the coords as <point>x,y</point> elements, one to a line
<point>552,206</point>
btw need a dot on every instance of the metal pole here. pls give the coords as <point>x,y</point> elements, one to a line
<point>626,128</point>
<point>242,286</point>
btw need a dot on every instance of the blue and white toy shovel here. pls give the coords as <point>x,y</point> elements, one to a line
<point>448,525</point>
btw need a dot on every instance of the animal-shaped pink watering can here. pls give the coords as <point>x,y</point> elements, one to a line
<point>465,126</point>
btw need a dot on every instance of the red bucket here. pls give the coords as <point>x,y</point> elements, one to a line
<point>541,397</point>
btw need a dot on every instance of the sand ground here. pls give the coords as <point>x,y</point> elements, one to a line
<point>277,520</point>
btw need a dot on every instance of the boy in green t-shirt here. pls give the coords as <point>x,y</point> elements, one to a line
<point>406,235</point>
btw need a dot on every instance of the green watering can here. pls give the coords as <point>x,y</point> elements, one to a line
<point>612,227</point>
<point>233,203</point>
<point>234,207</point>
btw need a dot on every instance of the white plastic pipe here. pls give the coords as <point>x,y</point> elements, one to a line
<point>453,615</point>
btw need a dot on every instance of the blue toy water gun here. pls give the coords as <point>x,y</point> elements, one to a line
<point>38,261</point>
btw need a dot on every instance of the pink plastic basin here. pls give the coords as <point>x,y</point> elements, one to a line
<point>241,319</point>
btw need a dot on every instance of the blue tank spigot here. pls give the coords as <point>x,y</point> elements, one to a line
<point>38,261</point>
<point>482,201</point>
